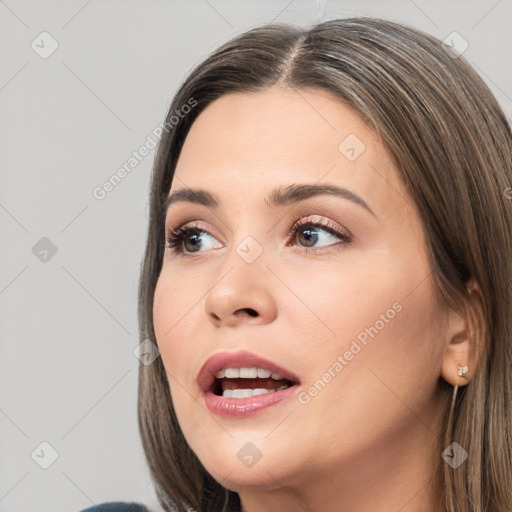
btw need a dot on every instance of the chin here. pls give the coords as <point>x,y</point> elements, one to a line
<point>237,463</point>
<point>262,476</point>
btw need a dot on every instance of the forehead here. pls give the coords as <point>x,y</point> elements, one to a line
<point>254,142</point>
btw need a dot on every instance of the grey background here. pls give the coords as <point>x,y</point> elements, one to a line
<point>68,324</point>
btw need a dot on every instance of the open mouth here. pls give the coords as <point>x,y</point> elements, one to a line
<point>248,382</point>
<point>239,384</point>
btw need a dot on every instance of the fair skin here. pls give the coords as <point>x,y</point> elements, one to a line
<point>366,441</point>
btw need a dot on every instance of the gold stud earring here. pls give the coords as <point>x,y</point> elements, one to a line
<point>463,371</point>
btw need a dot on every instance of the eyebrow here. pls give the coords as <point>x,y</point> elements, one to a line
<point>280,196</point>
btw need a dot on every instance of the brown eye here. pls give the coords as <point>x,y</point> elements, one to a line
<point>313,235</point>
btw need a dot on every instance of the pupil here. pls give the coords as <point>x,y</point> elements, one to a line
<point>311,236</point>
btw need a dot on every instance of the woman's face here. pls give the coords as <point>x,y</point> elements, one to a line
<point>345,305</point>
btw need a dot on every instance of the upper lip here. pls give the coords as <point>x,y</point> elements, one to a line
<point>240,359</point>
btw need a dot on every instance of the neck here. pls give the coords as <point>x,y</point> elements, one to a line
<point>397,476</point>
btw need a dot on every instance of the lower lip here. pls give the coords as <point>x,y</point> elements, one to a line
<point>244,407</point>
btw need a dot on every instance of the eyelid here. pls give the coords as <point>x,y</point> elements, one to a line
<point>192,225</point>
<point>322,222</point>
<point>313,219</point>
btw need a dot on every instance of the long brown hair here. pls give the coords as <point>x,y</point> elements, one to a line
<point>453,146</point>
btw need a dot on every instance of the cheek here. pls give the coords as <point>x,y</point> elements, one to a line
<point>173,318</point>
<point>382,362</point>
<point>173,314</point>
<point>359,300</point>
<point>381,316</point>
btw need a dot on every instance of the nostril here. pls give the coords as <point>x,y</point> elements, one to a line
<point>250,311</point>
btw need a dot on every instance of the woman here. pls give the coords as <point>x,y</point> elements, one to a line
<point>328,279</point>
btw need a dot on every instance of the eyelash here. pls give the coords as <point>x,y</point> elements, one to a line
<point>176,237</point>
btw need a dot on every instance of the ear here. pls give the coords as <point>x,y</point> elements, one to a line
<point>465,338</point>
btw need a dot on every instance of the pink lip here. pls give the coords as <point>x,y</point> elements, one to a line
<point>241,407</point>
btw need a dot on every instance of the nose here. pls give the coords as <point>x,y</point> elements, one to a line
<point>241,296</point>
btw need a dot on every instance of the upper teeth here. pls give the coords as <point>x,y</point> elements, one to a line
<point>247,373</point>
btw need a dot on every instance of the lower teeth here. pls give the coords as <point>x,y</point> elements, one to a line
<point>247,393</point>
